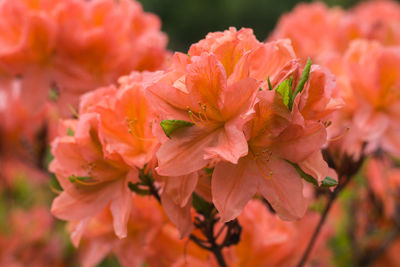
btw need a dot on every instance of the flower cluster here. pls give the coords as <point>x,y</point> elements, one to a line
<point>249,111</point>
<point>231,119</point>
<point>361,47</point>
<point>61,49</point>
<point>221,156</point>
<point>320,32</point>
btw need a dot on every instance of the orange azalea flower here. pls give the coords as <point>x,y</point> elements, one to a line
<point>381,20</point>
<point>90,181</point>
<point>268,241</point>
<point>102,40</point>
<point>98,239</point>
<point>249,143</point>
<point>167,249</point>
<point>98,154</point>
<point>28,34</point>
<point>368,81</point>
<point>75,46</point>
<point>212,89</point>
<point>320,32</point>
<point>278,138</point>
<point>125,118</point>
<point>317,31</point>
<point>384,180</point>
<point>28,239</point>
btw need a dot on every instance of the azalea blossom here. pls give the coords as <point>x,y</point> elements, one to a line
<point>279,137</point>
<point>98,239</point>
<point>273,130</point>
<point>320,32</point>
<point>368,81</point>
<point>216,98</point>
<point>28,239</point>
<point>317,31</point>
<point>380,19</point>
<point>102,40</point>
<point>268,241</point>
<point>384,180</point>
<point>92,173</point>
<point>214,91</point>
<point>70,47</point>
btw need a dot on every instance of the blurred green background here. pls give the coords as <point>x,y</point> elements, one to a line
<point>188,21</point>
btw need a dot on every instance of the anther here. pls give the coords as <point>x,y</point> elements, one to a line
<point>327,124</point>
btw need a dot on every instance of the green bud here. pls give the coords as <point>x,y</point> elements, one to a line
<point>303,79</point>
<point>329,182</point>
<point>170,126</point>
<point>285,89</point>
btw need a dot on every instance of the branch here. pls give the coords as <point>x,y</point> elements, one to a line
<point>206,223</point>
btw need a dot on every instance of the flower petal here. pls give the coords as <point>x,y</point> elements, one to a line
<point>180,216</point>
<point>284,190</point>
<point>180,188</point>
<point>232,186</point>
<point>184,152</point>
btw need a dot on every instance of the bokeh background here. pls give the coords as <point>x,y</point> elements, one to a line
<point>187,22</point>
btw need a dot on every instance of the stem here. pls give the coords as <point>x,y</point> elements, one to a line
<point>217,251</point>
<point>317,230</point>
<point>331,200</point>
<point>206,225</point>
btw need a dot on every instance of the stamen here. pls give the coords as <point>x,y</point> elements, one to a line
<point>340,136</point>
<point>193,117</point>
<point>87,180</point>
<point>205,111</point>
<point>327,123</point>
<point>261,161</point>
<point>54,190</point>
<point>73,111</point>
<point>131,124</point>
<point>81,182</point>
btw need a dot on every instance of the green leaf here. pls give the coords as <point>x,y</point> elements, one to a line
<point>269,84</point>
<point>329,182</point>
<point>70,132</point>
<point>285,89</point>
<point>145,178</point>
<point>136,188</point>
<point>48,157</point>
<point>209,171</point>
<point>53,94</point>
<point>304,175</point>
<point>170,126</point>
<point>201,206</point>
<point>303,79</point>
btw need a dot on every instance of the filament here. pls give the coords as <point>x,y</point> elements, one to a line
<point>198,117</point>
<point>73,111</point>
<point>131,124</point>
<point>74,179</point>
<point>54,190</point>
<point>340,136</point>
<point>261,161</point>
